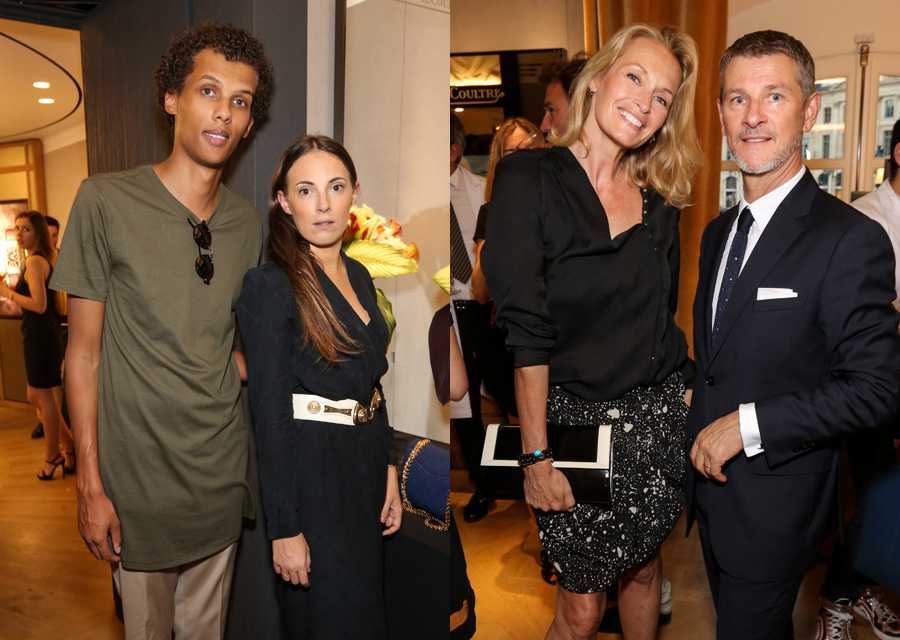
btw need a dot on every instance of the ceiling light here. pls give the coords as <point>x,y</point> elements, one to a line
<point>459,109</point>
<point>41,85</point>
<point>46,100</point>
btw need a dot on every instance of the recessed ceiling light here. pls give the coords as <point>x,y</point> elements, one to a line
<point>41,85</point>
<point>46,100</point>
<point>459,109</point>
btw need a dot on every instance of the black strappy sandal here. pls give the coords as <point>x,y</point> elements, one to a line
<point>57,461</point>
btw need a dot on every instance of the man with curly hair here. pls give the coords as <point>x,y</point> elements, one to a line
<point>153,382</point>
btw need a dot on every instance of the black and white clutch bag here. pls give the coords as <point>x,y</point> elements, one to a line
<point>583,453</point>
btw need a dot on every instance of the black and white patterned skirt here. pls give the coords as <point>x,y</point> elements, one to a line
<point>593,546</point>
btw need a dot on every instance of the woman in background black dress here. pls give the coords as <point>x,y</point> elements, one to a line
<point>315,340</point>
<point>42,339</point>
<point>582,259</point>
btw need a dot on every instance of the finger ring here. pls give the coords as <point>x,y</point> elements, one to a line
<point>706,466</point>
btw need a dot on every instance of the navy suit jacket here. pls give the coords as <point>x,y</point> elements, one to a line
<point>819,365</point>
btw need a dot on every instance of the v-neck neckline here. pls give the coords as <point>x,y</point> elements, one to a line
<point>359,298</point>
<point>623,236</point>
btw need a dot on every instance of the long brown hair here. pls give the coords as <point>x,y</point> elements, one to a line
<point>45,246</point>
<point>290,251</point>
<point>46,250</point>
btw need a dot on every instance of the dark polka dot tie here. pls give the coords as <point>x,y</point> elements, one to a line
<point>732,267</point>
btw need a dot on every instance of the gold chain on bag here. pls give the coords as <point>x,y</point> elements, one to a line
<point>430,520</point>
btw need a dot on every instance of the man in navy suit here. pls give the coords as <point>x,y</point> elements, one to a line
<point>796,344</point>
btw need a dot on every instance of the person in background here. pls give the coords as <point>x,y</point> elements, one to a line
<point>515,134</point>
<point>870,453</point>
<point>53,226</point>
<point>315,343</point>
<point>153,381</point>
<point>42,339</point>
<point>559,78</point>
<point>796,343</point>
<point>473,319</point>
<point>582,259</point>
<point>38,431</point>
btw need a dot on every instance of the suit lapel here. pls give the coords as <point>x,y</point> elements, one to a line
<point>780,234</point>
<point>706,290</point>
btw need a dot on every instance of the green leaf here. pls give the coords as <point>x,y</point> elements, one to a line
<point>442,278</point>
<point>387,311</point>
<point>382,261</point>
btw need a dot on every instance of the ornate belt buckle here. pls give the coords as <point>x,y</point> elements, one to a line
<point>361,415</point>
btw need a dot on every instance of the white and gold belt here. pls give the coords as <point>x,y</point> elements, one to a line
<point>311,407</point>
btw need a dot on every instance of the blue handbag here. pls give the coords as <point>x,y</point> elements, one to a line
<point>425,485</point>
<point>878,557</point>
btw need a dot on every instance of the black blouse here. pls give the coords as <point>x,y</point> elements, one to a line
<point>597,310</point>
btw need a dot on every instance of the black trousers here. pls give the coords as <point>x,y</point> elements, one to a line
<point>745,610</point>
<point>870,453</point>
<point>473,321</point>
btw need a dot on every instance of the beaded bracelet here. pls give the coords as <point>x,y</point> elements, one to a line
<point>528,459</point>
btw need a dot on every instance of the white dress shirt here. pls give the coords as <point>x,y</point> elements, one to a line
<point>467,196</point>
<point>883,206</point>
<point>762,209</point>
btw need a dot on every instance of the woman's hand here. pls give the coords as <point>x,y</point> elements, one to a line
<point>290,557</point>
<point>5,291</point>
<point>392,512</point>
<point>547,488</point>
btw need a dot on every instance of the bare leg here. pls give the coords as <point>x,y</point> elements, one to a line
<point>639,596</point>
<point>55,429</point>
<point>577,615</point>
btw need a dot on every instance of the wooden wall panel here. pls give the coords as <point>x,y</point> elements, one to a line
<point>121,43</point>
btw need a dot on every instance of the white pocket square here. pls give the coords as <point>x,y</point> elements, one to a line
<point>765,293</point>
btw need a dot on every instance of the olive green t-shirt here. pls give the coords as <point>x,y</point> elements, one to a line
<point>171,439</point>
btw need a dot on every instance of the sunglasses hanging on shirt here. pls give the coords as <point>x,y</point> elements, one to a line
<point>204,262</point>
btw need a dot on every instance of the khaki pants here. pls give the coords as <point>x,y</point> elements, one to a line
<point>191,599</point>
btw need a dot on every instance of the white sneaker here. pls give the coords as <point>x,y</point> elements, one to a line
<point>877,613</point>
<point>834,621</point>
<point>665,605</point>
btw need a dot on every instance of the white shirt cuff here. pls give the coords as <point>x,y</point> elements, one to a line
<point>750,430</point>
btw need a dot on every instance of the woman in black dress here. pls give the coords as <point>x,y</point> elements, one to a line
<point>42,338</point>
<point>582,260</point>
<point>315,345</point>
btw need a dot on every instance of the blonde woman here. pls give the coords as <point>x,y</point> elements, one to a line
<point>582,260</point>
<point>515,134</point>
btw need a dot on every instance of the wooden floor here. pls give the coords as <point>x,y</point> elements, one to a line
<point>512,602</point>
<point>51,587</point>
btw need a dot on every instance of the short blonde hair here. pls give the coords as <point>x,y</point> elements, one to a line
<point>669,162</point>
<point>503,132</point>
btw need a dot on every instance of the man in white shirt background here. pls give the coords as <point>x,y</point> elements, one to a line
<point>472,317</point>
